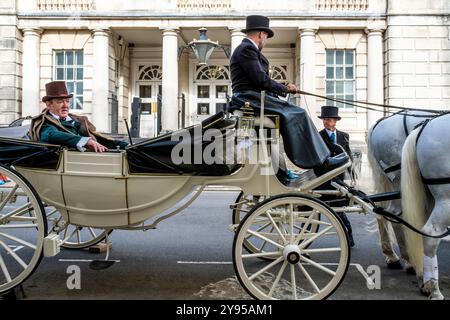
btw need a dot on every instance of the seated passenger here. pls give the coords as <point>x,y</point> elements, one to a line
<point>56,125</point>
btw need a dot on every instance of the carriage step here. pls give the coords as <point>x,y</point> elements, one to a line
<point>52,245</point>
<point>385,196</point>
<point>100,247</point>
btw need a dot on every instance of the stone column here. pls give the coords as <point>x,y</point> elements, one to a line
<point>307,69</point>
<point>169,116</point>
<point>236,38</point>
<point>100,81</point>
<point>375,92</point>
<point>31,72</point>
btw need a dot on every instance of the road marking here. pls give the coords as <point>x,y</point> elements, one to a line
<point>204,262</point>
<point>82,260</point>
<point>15,248</point>
<point>356,265</point>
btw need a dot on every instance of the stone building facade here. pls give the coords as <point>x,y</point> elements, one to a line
<point>382,51</point>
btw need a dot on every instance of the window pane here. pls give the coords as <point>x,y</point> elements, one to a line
<point>339,87</point>
<point>330,87</point>
<point>330,73</point>
<point>79,73</point>
<point>60,74</point>
<point>69,58</point>
<point>339,57</point>
<point>339,73</point>
<point>349,56</point>
<point>146,107</point>
<point>349,87</point>
<point>330,102</point>
<point>70,87</point>
<point>69,73</point>
<point>145,91</point>
<point>79,58</point>
<point>160,89</point>
<point>221,92</point>
<point>59,58</point>
<point>330,54</point>
<point>220,107</point>
<point>203,92</point>
<point>202,108</point>
<point>80,88</point>
<point>349,97</point>
<point>349,73</point>
<point>79,102</point>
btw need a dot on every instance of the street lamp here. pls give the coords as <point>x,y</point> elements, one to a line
<point>203,47</point>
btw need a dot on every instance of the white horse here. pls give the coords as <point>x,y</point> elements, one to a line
<point>385,141</point>
<point>426,197</point>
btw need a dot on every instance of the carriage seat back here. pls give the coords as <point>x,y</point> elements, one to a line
<point>19,132</point>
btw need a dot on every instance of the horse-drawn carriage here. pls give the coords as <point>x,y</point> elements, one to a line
<point>289,240</point>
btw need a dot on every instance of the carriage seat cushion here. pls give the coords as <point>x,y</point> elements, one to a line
<point>20,132</point>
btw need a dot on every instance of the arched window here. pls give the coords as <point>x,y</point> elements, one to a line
<point>213,72</point>
<point>279,73</point>
<point>150,73</point>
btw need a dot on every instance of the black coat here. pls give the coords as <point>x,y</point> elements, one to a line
<point>250,71</point>
<point>342,139</point>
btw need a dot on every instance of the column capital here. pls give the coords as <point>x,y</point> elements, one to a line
<point>374,32</point>
<point>32,31</point>
<point>102,32</point>
<point>305,32</point>
<point>169,31</point>
<point>236,31</point>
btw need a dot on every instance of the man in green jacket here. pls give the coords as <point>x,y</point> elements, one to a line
<point>56,125</point>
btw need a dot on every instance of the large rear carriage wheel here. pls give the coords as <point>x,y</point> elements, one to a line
<point>23,227</point>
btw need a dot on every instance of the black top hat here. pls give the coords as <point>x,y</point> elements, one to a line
<point>258,23</point>
<point>330,112</point>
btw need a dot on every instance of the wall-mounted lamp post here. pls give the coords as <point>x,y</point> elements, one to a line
<point>203,47</point>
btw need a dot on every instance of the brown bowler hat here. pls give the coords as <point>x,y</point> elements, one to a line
<point>56,89</point>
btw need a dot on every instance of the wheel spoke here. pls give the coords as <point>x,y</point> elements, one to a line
<point>78,234</point>
<point>25,243</point>
<point>5,269</point>
<point>18,211</point>
<point>318,266</point>
<point>265,242</point>
<point>276,227</point>
<point>259,229</point>
<point>261,254</point>
<point>294,283</point>
<point>22,219</point>
<point>92,232</point>
<point>14,255</point>
<point>17,226</point>
<point>321,250</point>
<point>291,209</point>
<point>52,213</point>
<point>277,279</point>
<point>305,226</point>
<point>8,197</point>
<point>265,239</point>
<point>308,277</point>
<point>270,265</point>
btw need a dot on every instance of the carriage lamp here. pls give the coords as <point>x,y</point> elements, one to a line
<point>203,47</point>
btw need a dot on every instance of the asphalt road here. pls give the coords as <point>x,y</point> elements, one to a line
<point>189,256</point>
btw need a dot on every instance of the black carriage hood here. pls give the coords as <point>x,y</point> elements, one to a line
<point>25,153</point>
<point>155,155</point>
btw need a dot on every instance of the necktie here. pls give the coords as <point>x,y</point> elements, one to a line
<point>333,137</point>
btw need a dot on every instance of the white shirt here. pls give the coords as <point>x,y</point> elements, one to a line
<point>83,140</point>
<point>253,43</point>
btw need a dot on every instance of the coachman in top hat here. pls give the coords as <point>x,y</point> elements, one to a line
<point>250,75</point>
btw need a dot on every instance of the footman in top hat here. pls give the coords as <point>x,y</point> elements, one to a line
<point>250,75</point>
<point>337,142</point>
<point>56,125</point>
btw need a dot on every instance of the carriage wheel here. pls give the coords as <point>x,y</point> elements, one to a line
<point>23,228</point>
<point>243,205</point>
<point>78,237</point>
<point>304,264</point>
